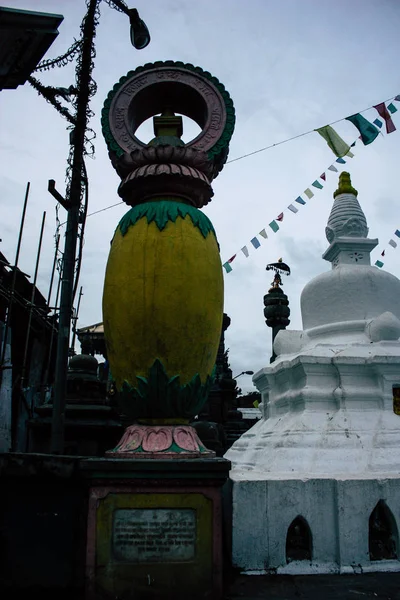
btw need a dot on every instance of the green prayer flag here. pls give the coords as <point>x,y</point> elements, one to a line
<point>392,108</point>
<point>317,184</point>
<point>368,131</point>
<point>334,141</point>
<point>379,264</point>
<point>274,226</point>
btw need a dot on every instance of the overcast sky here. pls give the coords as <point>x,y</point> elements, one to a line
<point>290,67</point>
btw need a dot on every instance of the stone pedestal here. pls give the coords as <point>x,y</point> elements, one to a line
<point>155,528</point>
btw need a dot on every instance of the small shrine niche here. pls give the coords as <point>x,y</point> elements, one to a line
<point>396,400</point>
<point>383,534</point>
<point>298,541</point>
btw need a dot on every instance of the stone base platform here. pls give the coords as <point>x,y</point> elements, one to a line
<point>314,526</point>
<point>154,527</point>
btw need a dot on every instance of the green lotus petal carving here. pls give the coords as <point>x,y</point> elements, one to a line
<point>161,397</point>
<point>163,211</point>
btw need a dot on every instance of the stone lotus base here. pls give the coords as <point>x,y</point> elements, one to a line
<point>160,441</point>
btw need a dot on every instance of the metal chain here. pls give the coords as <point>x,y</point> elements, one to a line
<point>60,61</point>
<point>48,93</point>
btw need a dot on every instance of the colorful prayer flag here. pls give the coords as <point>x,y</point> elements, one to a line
<point>383,253</point>
<point>293,208</point>
<point>350,155</point>
<point>383,112</point>
<point>323,176</point>
<point>255,243</point>
<point>341,161</point>
<point>397,232</point>
<point>333,168</point>
<point>280,217</point>
<point>227,267</point>
<point>300,200</point>
<point>392,108</point>
<point>379,264</point>
<point>397,98</point>
<point>367,130</point>
<point>245,251</point>
<point>274,226</point>
<point>309,193</point>
<point>334,141</point>
<point>263,234</point>
<point>378,123</point>
<point>317,184</point>
<point>232,258</point>
<point>353,144</point>
<point>393,243</point>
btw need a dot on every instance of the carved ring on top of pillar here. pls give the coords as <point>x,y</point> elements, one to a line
<point>171,167</point>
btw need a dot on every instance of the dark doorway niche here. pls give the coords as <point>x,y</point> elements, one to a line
<point>298,541</point>
<point>396,399</point>
<point>383,535</point>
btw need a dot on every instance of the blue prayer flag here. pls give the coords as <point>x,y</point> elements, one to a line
<point>227,267</point>
<point>255,242</point>
<point>397,232</point>
<point>300,200</point>
<point>341,161</point>
<point>378,123</point>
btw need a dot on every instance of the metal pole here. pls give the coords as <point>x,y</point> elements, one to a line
<point>67,284</point>
<point>53,328</point>
<point>28,329</point>
<point>14,277</point>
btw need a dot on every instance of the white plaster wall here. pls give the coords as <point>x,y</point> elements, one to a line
<point>337,512</point>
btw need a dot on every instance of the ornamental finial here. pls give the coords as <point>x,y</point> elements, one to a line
<point>345,186</point>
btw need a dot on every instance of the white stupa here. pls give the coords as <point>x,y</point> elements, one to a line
<point>316,482</point>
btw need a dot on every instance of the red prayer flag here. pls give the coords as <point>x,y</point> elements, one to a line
<point>232,258</point>
<point>384,113</point>
<point>323,176</point>
<point>383,253</point>
<point>280,217</point>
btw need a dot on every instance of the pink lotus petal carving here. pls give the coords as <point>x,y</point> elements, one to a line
<point>157,439</point>
<point>184,438</point>
<point>131,439</point>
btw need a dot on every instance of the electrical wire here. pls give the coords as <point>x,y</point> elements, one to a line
<point>297,136</point>
<point>254,152</point>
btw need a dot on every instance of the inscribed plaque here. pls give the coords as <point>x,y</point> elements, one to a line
<point>154,535</point>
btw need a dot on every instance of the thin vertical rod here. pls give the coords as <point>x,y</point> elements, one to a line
<point>14,277</point>
<point>76,319</point>
<point>53,270</point>
<point>53,329</point>
<point>28,331</point>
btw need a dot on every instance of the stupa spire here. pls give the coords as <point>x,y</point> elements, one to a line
<point>345,186</point>
<point>347,229</point>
